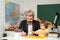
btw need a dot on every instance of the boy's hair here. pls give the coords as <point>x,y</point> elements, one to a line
<point>45,23</point>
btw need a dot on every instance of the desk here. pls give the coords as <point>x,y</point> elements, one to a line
<point>15,37</point>
<point>23,38</point>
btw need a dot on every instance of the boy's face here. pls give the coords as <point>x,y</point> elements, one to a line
<point>42,26</point>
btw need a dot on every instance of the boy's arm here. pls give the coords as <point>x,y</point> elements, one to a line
<point>46,32</point>
<point>34,32</point>
<point>37,32</point>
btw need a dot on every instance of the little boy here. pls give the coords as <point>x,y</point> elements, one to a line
<point>43,31</point>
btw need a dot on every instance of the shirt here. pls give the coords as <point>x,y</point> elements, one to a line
<point>40,32</point>
<point>29,29</point>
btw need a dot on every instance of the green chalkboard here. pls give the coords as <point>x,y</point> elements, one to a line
<point>48,12</point>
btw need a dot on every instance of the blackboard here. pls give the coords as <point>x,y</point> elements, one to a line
<point>48,12</point>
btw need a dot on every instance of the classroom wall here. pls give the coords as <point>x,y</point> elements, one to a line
<point>25,5</point>
<point>32,4</point>
<point>2,17</point>
<point>48,2</point>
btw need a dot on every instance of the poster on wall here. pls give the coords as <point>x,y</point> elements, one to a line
<point>12,12</point>
<point>13,15</point>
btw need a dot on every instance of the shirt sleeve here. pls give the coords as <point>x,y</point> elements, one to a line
<point>37,32</point>
<point>21,25</point>
<point>47,30</point>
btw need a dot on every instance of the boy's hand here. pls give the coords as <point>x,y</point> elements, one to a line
<point>33,32</point>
